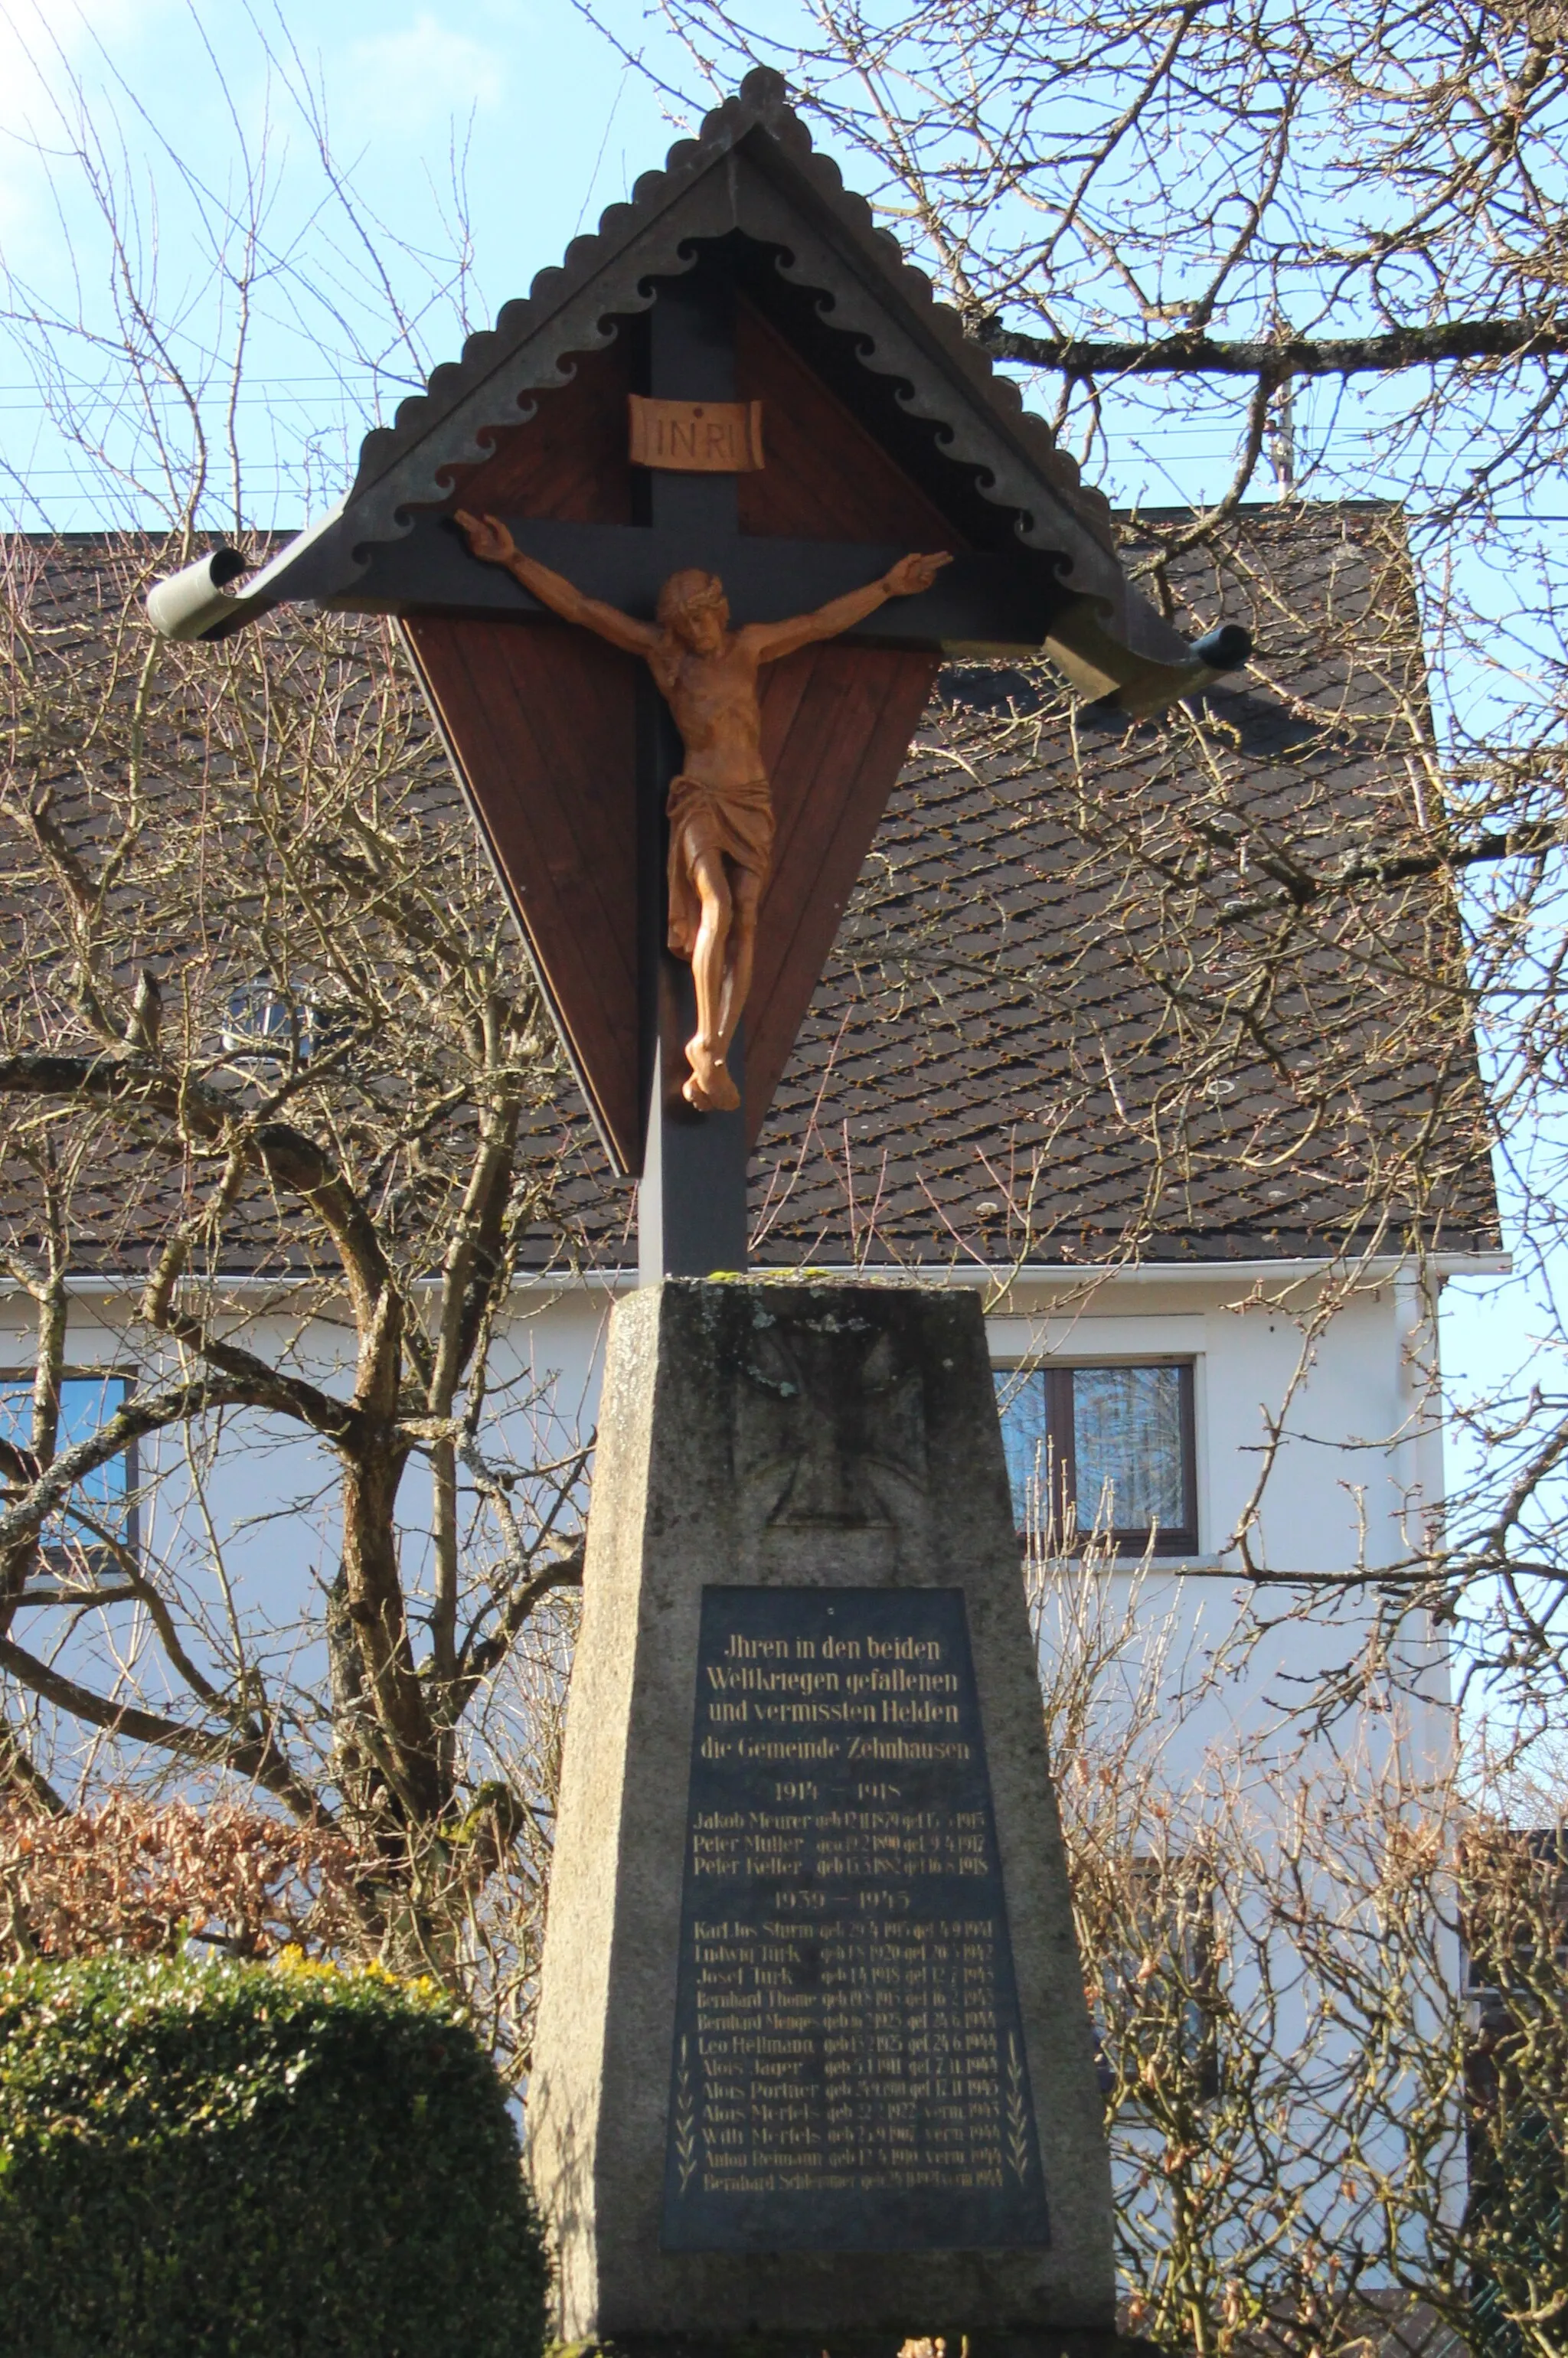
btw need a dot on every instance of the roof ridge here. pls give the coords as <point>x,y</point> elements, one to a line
<point>761,105</point>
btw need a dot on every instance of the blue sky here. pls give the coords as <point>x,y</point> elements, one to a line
<point>552,122</point>
<point>541,87</point>
<point>553,126</point>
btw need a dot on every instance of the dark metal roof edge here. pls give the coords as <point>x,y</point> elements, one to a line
<point>759,108</point>
<point>943,329</point>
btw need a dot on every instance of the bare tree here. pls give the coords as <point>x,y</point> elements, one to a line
<point>1219,204</point>
<point>269,1037</point>
<point>278,1103</point>
<point>1332,2027</point>
<point>1335,945</point>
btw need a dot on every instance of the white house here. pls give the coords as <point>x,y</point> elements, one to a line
<point>986,1092</point>
<point>1100,1037</point>
<point>1209,1280</point>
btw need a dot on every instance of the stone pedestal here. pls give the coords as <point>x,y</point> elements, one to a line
<point>814,2067</point>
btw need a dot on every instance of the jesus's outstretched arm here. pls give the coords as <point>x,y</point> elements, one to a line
<point>489,539</point>
<point>907,578</point>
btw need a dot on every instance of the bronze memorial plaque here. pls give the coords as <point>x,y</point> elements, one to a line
<point>849,2069</point>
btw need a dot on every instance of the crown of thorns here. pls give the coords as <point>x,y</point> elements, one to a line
<point>691,592</point>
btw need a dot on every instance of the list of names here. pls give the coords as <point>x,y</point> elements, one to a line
<point>850,2068</point>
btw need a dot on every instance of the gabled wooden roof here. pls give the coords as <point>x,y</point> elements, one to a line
<point>841,290</point>
<point>887,430</point>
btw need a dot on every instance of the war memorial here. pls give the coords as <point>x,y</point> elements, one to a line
<point>676,551</point>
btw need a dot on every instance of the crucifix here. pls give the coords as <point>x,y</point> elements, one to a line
<point>719,809</point>
<point>713,436</point>
<point>737,386</point>
<point>692,1216</point>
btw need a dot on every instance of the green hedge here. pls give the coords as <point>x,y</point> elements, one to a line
<point>246,2159</point>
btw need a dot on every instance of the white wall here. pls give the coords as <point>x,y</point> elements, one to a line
<point>240,1511</point>
<point>1355,1468</point>
<point>1358,1462</point>
<point>1214,1672</point>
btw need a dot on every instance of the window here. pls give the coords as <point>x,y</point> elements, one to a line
<point>263,1026</point>
<point>1514,1928</point>
<point>1110,1447</point>
<point>102,1504</point>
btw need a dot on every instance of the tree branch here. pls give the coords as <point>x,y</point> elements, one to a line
<point>151,1412</point>
<point>1298,889</point>
<point>21,1777</point>
<point>265,1386</point>
<point>561,1571</point>
<point>252,1756</point>
<point>1451,342</point>
<point>132,1085</point>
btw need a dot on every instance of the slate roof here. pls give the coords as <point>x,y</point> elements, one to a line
<point>990,1070</point>
<point>1026,1047</point>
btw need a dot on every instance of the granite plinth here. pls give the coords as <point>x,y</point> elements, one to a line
<point>813,2056</point>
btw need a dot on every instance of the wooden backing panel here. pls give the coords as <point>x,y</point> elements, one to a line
<point>570,459</point>
<point>823,477</point>
<point>557,697</point>
<point>545,745</point>
<point>540,721</point>
<point>558,796</point>
<point>836,770</point>
<point>540,785</point>
<point>781,686</point>
<point>819,758</point>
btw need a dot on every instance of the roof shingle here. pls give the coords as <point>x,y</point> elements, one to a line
<point>1072,1014</point>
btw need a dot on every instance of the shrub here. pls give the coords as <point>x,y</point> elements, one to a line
<point>241,2159</point>
<point>143,1876</point>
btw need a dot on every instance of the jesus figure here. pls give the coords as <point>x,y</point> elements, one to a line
<point>720,810</point>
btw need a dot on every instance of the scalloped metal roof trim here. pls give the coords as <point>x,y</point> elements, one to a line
<point>998,395</point>
<point>1008,477</point>
<point>601,275</point>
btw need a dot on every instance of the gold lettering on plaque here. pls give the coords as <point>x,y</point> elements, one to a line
<point>848,2043</point>
<point>696,438</point>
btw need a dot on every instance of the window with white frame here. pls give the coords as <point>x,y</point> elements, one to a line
<point>266,1027</point>
<point>100,1510</point>
<point>1107,1448</point>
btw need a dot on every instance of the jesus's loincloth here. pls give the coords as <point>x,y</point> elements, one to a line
<point>735,820</point>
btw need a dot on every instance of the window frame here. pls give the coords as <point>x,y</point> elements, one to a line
<point>58,1552</point>
<point>1127,1540</point>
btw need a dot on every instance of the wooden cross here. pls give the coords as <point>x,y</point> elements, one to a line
<point>692,1214</point>
<point>565,747</point>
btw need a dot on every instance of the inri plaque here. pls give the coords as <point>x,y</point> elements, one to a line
<point>848,2070</point>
